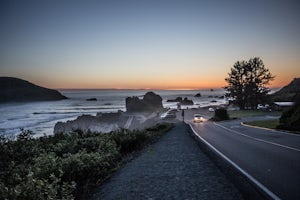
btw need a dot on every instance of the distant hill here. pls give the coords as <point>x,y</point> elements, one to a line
<point>288,92</point>
<point>18,90</point>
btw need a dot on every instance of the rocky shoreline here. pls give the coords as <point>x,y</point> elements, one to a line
<point>140,113</point>
<point>108,122</point>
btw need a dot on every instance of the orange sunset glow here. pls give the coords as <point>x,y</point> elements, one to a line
<point>144,45</point>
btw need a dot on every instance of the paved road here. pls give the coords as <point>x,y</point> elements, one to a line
<point>271,157</point>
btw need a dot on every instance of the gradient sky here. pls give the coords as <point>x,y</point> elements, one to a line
<point>146,43</point>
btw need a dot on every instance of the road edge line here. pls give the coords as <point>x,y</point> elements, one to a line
<point>259,185</point>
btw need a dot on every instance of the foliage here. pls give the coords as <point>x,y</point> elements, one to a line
<point>65,166</point>
<point>247,82</point>
<point>290,119</point>
<point>220,114</point>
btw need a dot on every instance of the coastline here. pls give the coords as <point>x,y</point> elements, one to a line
<point>41,117</point>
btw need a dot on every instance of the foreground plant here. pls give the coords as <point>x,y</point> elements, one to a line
<point>66,166</point>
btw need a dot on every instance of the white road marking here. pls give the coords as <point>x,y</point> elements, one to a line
<point>257,139</point>
<point>251,178</point>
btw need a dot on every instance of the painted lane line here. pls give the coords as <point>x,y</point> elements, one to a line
<point>242,171</point>
<point>257,139</point>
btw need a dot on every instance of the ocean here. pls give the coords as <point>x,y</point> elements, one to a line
<point>40,117</point>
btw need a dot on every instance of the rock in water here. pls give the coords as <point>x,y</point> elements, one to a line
<point>92,99</point>
<point>150,102</point>
<point>153,100</point>
<point>198,95</point>
<point>182,101</point>
<point>178,99</point>
<point>18,90</point>
<point>187,102</point>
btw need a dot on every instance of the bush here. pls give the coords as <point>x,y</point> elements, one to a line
<point>290,119</point>
<point>65,166</point>
<point>220,114</point>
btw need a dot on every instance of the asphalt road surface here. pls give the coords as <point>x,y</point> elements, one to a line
<point>270,157</point>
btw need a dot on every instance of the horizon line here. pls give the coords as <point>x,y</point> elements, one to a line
<point>168,89</point>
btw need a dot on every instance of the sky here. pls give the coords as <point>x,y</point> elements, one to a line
<point>139,44</point>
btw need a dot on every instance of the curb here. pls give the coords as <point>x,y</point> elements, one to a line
<point>274,130</point>
<point>248,185</point>
<point>258,127</point>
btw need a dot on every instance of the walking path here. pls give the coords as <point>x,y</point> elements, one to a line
<point>172,168</point>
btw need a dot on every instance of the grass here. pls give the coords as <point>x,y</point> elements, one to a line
<point>250,113</point>
<point>272,124</point>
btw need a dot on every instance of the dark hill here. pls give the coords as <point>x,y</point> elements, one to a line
<point>288,92</point>
<point>18,90</point>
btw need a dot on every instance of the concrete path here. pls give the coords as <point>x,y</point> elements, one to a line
<point>172,168</point>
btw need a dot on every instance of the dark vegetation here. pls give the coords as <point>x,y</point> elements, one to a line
<point>247,82</point>
<point>290,119</point>
<point>66,166</point>
<point>220,115</point>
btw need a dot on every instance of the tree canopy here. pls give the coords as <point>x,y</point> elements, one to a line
<point>247,82</point>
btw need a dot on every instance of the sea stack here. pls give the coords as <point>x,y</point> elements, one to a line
<point>150,102</point>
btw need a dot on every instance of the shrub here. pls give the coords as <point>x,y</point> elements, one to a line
<point>220,114</point>
<point>290,119</point>
<point>65,166</point>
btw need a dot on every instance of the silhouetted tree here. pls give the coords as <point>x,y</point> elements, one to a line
<point>220,115</point>
<point>247,82</point>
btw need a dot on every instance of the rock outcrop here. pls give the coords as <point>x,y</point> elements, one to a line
<point>91,99</point>
<point>18,90</point>
<point>107,122</point>
<point>91,123</point>
<point>178,99</point>
<point>184,101</point>
<point>187,102</point>
<point>151,102</point>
